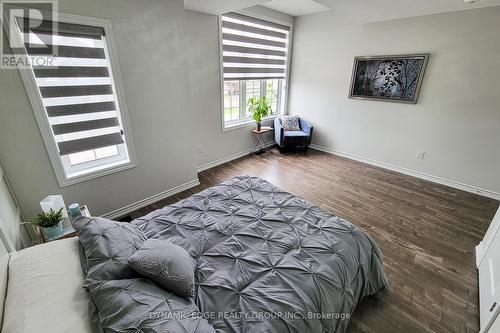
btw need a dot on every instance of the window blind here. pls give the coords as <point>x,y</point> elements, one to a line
<point>77,92</point>
<point>253,48</point>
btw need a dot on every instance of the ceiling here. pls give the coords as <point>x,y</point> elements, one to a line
<point>217,7</point>
<point>363,10</point>
<point>296,7</point>
<point>290,7</point>
<point>383,10</point>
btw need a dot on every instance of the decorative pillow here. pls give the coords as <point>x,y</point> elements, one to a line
<point>139,305</point>
<point>167,264</point>
<point>107,245</point>
<point>290,123</point>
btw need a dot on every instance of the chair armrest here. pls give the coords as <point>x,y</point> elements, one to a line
<point>305,126</point>
<point>278,131</point>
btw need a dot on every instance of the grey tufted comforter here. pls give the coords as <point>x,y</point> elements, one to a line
<point>268,261</point>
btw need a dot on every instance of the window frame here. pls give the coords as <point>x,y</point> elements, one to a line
<point>243,103</point>
<point>286,83</point>
<point>31,86</point>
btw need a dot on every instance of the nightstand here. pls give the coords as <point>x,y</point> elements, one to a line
<point>68,230</point>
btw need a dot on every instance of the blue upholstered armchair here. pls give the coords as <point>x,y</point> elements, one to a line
<point>293,139</point>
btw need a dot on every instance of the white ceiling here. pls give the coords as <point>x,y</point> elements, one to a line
<point>216,7</point>
<point>290,7</point>
<point>363,10</point>
<point>296,7</point>
<point>381,10</point>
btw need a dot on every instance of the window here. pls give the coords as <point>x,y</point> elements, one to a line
<point>80,114</point>
<point>255,63</point>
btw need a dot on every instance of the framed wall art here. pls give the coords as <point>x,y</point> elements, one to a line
<point>395,78</point>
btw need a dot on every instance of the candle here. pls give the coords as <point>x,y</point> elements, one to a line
<point>74,210</point>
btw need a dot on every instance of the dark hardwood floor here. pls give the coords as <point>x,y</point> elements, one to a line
<point>426,231</point>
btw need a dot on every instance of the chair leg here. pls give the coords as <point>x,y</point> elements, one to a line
<point>306,147</point>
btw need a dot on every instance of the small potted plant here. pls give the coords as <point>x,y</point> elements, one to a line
<point>50,222</point>
<point>260,108</point>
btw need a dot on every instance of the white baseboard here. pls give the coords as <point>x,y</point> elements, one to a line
<point>165,194</point>
<point>229,158</point>
<point>418,174</point>
<point>150,200</point>
<point>479,253</point>
<point>186,186</point>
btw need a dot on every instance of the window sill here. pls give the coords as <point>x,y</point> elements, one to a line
<point>247,123</point>
<point>106,170</point>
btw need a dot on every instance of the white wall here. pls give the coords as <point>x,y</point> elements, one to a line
<point>457,119</point>
<point>169,58</point>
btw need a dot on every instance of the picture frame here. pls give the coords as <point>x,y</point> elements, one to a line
<point>389,78</point>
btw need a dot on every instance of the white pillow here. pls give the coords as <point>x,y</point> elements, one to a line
<point>44,292</point>
<point>290,123</point>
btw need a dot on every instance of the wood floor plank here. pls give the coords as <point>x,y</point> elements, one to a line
<point>426,231</point>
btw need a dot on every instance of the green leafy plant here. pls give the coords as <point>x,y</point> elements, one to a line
<point>259,107</point>
<point>48,219</point>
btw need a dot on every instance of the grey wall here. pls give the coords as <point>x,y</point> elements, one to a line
<point>151,42</point>
<point>203,58</point>
<point>169,60</point>
<point>457,118</point>
<point>204,75</point>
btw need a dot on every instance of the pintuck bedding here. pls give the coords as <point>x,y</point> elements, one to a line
<point>268,261</point>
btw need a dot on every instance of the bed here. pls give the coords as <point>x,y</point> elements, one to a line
<point>261,251</point>
<point>40,286</point>
<point>266,261</point>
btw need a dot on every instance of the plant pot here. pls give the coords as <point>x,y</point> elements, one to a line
<point>53,231</point>
<point>259,126</point>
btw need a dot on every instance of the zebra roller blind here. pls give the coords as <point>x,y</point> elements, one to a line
<point>77,92</point>
<point>253,49</point>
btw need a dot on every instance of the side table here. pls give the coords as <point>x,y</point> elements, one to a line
<point>261,140</point>
<point>68,231</point>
